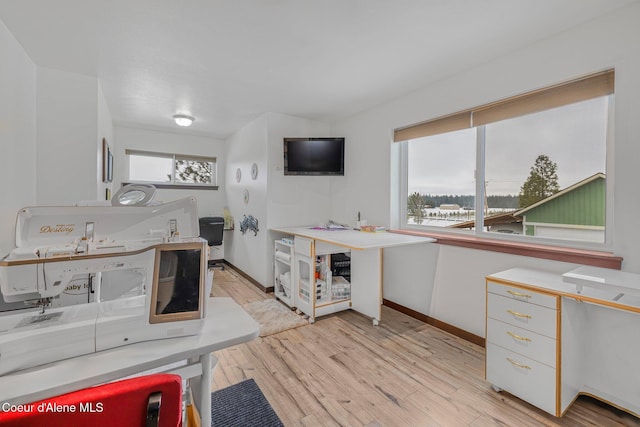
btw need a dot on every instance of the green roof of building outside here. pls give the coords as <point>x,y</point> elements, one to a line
<point>581,204</point>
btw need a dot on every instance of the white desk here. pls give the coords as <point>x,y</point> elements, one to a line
<point>596,336</point>
<point>357,240</point>
<point>226,324</point>
<point>366,262</point>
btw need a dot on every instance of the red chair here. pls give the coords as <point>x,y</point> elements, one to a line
<point>152,400</point>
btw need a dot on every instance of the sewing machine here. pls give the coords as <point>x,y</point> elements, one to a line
<point>97,277</point>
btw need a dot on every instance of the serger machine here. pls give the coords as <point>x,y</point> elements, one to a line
<point>97,277</point>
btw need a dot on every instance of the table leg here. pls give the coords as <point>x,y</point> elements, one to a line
<point>205,389</point>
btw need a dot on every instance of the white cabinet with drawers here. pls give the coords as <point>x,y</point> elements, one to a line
<point>549,340</point>
<point>522,344</point>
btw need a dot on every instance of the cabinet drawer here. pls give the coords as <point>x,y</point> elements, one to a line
<point>531,317</point>
<point>303,246</point>
<point>525,295</point>
<point>529,380</point>
<point>521,341</point>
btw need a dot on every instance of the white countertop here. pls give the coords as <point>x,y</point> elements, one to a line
<point>354,239</point>
<point>592,284</point>
<point>226,324</point>
<point>604,278</point>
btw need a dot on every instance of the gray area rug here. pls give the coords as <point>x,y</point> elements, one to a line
<point>242,405</point>
<point>273,316</point>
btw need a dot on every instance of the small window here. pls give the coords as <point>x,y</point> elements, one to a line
<point>171,169</point>
<point>150,168</point>
<point>189,171</point>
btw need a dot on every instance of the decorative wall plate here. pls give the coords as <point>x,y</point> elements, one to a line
<point>238,175</point>
<point>254,171</point>
<point>246,196</point>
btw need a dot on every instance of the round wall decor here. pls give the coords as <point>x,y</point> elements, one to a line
<point>246,197</point>
<point>254,171</point>
<point>238,175</point>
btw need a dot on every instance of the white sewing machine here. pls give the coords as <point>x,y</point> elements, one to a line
<point>97,277</point>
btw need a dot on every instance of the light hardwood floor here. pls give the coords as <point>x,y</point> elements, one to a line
<point>342,371</point>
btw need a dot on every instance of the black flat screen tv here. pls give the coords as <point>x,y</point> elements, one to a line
<point>314,156</point>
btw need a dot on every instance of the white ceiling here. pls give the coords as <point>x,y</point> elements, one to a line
<point>227,61</point>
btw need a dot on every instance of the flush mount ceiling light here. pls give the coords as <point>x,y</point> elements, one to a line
<point>183,119</point>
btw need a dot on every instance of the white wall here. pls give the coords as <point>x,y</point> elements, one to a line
<point>105,130</point>
<point>50,127</point>
<point>247,251</point>
<point>366,186</point>
<point>293,200</point>
<point>458,278</point>
<point>66,126</point>
<point>275,200</point>
<point>210,202</point>
<point>408,275</point>
<point>17,135</point>
<point>296,200</point>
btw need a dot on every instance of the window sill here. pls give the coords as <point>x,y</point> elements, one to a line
<point>178,186</point>
<point>576,256</point>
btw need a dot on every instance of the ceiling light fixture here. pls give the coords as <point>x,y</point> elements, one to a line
<point>183,120</point>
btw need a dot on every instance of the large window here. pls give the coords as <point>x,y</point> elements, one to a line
<point>172,170</point>
<point>530,167</point>
<point>441,185</point>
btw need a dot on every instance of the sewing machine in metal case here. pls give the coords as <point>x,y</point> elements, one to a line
<point>97,277</point>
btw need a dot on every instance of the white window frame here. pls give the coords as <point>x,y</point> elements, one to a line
<point>479,174</point>
<point>174,157</point>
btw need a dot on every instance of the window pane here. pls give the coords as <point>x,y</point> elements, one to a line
<point>547,169</point>
<point>441,184</point>
<point>147,168</point>
<point>190,171</point>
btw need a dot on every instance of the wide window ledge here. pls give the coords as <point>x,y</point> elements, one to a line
<point>572,255</point>
<point>178,186</point>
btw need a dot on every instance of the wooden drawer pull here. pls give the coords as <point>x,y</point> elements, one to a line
<point>515,313</point>
<point>519,294</point>
<point>518,337</point>
<point>519,365</point>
